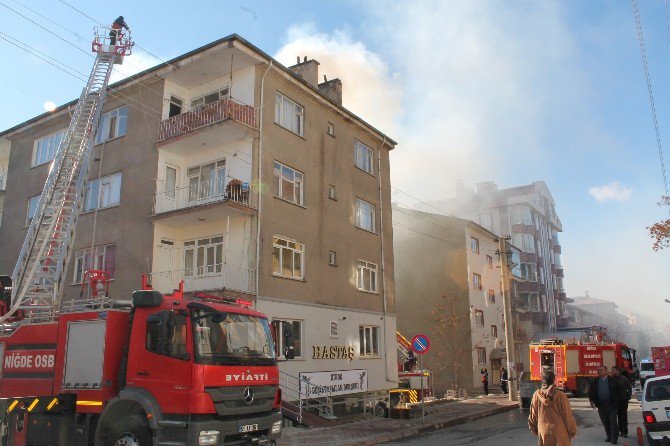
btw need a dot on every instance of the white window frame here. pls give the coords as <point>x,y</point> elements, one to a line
<point>481,355</point>
<point>107,192</point>
<point>529,271</point>
<point>332,258</point>
<point>285,175</point>
<point>202,190</point>
<point>491,297</point>
<point>48,144</point>
<point>479,318</point>
<point>113,124</point>
<point>289,114</point>
<point>209,250</point>
<point>100,254</point>
<point>298,339</point>
<point>364,157</point>
<point>477,281</point>
<point>208,98</point>
<point>331,129</point>
<point>363,209</point>
<point>282,246</point>
<point>494,331</point>
<point>474,245</point>
<point>366,276</point>
<point>368,337</point>
<point>32,208</point>
<point>170,190</point>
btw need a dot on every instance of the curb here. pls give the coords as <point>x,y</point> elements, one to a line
<point>409,433</point>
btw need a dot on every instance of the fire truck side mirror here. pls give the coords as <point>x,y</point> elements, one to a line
<point>147,299</point>
<point>287,332</point>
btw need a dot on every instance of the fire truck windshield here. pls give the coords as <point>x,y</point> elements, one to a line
<point>231,339</point>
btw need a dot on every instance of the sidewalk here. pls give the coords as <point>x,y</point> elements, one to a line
<point>380,430</point>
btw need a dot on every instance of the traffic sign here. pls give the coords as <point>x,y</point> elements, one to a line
<point>420,344</point>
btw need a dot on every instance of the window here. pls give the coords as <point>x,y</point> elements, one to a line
<point>289,114</point>
<point>479,318</point>
<point>175,347</point>
<point>365,215</point>
<point>481,355</point>
<point>332,258</point>
<point>288,184</point>
<point>486,221</point>
<point>331,192</point>
<point>494,331</point>
<point>492,296</point>
<point>203,257</point>
<point>369,340</point>
<point>104,258</point>
<point>544,303</point>
<point>364,157</point>
<point>331,129</point>
<point>45,148</point>
<point>112,125</point>
<point>176,106</point>
<point>287,258</point>
<point>32,208</point>
<point>520,215</point>
<point>489,261</point>
<point>366,276</point>
<point>296,330</point>
<point>103,192</point>
<point>529,272</point>
<point>541,275</point>
<point>476,281</point>
<point>658,391</point>
<point>170,181</point>
<point>474,245</point>
<point>207,181</point>
<point>209,98</point>
<point>531,301</point>
<point>524,241</point>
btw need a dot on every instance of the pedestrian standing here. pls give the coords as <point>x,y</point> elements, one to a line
<point>604,395</point>
<point>625,388</point>
<point>504,378</point>
<point>116,29</point>
<point>485,380</point>
<point>551,416</point>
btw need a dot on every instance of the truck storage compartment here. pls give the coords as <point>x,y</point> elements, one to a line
<point>84,354</point>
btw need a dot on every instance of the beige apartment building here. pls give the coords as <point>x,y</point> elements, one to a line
<point>241,177</point>
<point>449,285</point>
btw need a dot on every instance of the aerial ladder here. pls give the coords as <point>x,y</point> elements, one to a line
<point>38,276</point>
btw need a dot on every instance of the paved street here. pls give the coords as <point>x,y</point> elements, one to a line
<point>511,428</point>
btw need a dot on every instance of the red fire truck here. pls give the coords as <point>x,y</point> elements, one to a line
<point>148,371</point>
<point>576,363</point>
<point>661,358</point>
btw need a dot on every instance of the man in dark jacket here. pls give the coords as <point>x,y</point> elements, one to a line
<point>605,395</point>
<point>625,393</point>
<point>116,29</point>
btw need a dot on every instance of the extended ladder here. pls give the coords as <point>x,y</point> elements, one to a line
<point>40,269</point>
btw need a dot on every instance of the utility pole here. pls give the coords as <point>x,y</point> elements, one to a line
<point>509,329</point>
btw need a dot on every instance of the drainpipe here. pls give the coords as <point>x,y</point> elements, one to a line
<point>381,234</point>
<point>260,177</point>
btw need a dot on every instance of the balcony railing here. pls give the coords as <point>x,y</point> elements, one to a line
<point>218,111</point>
<point>211,277</point>
<point>206,192</point>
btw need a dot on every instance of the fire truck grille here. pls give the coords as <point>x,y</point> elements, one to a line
<point>243,399</point>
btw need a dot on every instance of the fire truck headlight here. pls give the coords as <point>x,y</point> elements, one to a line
<point>208,438</point>
<point>276,428</point>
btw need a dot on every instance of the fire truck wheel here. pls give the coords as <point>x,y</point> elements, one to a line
<point>131,431</point>
<point>380,410</point>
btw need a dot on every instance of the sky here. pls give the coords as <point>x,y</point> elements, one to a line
<point>506,91</point>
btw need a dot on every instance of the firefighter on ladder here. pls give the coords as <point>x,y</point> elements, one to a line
<point>117,25</point>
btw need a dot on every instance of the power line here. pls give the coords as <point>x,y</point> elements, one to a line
<point>645,63</point>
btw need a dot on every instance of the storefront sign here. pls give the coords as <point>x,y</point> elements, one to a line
<point>333,352</point>
<point>338,382</point>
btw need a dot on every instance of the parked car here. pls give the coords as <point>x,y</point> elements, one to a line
<point>646,371</point>
<point>526,389</point>
<point>656,410</point>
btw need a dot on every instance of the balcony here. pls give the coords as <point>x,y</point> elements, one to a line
<point>557,248</point>
<point>528,257</point>
<point>528,287</point>
<point>559,272</point>
<point>219,277</point>
<point>203,197</point>
<point>219,111</point>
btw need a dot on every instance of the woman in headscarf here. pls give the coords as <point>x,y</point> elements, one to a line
<point>551,415</point>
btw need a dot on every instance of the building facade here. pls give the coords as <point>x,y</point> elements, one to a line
<point>243,178</point>
<point>527,214</point>
<point>449,286</point>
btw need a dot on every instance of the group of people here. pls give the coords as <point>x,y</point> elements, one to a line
<point>551,416</point>
<point>504,380</point>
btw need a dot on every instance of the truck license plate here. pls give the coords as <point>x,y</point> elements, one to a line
<point>248,428</point>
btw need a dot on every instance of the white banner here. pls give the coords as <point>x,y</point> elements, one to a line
<point>338,382</point>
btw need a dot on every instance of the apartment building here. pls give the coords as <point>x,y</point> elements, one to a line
<point>528,214</point>
<point>449,284</point>
<point>244,178</point>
